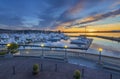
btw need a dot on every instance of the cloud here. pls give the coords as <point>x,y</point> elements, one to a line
<point>67,15</point>
<point>115,4</point>
<point>11,20</point>
<point>75,9</point>
<point>79,7</point>
<point>97,17</point>
<point>59,12</point>
<point>53,13</point>
<point>101,16</point>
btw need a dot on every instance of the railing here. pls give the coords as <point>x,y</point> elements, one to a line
<point>62,53</point>
<point>23,45</point>
<point>65,54</point>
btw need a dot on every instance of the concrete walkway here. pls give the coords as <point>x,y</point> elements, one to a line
<point>23,69</point>
<point>90,64</point>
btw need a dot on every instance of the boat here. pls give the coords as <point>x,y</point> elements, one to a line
<point>54,39</point>
<point>82,41</point>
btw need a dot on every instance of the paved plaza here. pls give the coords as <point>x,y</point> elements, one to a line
<point>49,70</point>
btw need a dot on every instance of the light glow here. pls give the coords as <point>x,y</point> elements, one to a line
<point>100,49</point>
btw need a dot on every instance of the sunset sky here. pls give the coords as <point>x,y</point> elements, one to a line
<point>67,15</point>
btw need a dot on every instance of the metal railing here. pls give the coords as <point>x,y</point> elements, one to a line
<point>63,53</point>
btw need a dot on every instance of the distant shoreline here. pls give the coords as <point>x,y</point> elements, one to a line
<point>58,31</point>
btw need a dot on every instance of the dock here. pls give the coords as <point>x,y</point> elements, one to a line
<point>103,37</point>
<point>106,37</point>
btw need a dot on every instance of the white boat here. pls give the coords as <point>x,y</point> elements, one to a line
<point>22,38</point>
<point>54,39</point>
<point>81,41</point>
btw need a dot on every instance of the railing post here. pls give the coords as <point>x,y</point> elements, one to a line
<point>42,53</point>
<point>83,71</point>
<point>111,76</point>
<point>65,56</point>
<point>55,67</point>
<point>13,70</point>
<point>42,45</point>
<point>65,53</point>
<point>41,67</point>
<point>100,56</point>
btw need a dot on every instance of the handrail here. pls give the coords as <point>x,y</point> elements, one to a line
<point>81,48</point>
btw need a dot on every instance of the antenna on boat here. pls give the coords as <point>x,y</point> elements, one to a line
<point>85,30</point>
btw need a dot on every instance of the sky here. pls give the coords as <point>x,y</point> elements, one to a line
<point>67,15</point>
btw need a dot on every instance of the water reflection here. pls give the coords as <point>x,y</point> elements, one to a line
<point>99,34</point>
<point>110,48</point>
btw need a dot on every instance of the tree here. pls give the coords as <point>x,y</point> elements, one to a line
<point>12,47</point>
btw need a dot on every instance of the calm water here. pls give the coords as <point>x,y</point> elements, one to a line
<point>100,34</point>
<point>110,48</point>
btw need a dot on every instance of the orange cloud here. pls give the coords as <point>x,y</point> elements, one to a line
<point>97,17</point>
<point>86,19</point>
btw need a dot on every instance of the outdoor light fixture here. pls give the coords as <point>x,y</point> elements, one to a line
<point>65,46</point>
<point>65,53</point>
<point>42,45</point>
<point>100,49</point>
<point>100,56</point>
<point>9,50</point>
<point>8,45</point>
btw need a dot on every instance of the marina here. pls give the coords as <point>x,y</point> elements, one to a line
<point>59,39</point>
<point>35,43</point>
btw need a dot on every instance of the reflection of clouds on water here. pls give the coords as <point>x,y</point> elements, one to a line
<point>110,48</point>
<point>106,44</point>
<point>107,50</point>
<point>104,52</point>
<point>100,34</point>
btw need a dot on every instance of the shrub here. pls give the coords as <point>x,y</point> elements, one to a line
<point>2,53</point>
<point>35,69</point>
<point>77,74</point>
<point>13,47</point>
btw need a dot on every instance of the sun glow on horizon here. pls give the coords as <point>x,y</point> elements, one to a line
<point>104,27</point>
<point>91,30</point>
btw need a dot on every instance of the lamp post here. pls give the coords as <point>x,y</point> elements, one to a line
<point>100,50</point>
<point>8,55</point>
<point>65,52</point>
<point>9,51</point>
<point>42,45</point>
